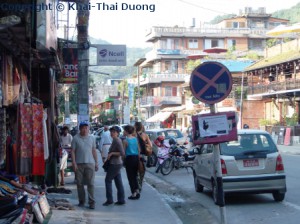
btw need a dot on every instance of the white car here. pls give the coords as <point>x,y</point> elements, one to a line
<point>252,164</point>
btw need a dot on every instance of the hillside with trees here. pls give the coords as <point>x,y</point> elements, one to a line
<point>292,14</point>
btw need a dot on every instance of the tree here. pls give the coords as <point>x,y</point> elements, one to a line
<point>192,64</point>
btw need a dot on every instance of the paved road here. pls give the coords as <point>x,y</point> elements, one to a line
<point>258,209</point>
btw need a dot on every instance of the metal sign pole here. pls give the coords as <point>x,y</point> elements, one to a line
<point>218,178</point>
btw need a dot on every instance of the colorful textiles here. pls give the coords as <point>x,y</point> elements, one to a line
<point>38,162</point>
<point>25,139</point>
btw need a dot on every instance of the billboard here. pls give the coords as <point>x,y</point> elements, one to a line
<point>111,55</point>
<point>214,127</point>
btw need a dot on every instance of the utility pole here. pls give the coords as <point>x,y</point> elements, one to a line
<point>83,59</point>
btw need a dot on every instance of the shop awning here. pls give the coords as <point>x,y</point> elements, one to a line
<point>159,117</point>
<point>173,109</point>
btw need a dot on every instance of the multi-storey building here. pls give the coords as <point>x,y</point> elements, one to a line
<point>164,68</point>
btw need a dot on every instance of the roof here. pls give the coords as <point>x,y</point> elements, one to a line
<point>281,58</point>
<point>234,65</point>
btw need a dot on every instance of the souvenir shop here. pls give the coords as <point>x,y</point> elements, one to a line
<point>29,138</point>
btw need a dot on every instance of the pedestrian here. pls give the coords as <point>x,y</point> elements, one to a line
<point>85,163</point>
<point>132,155</point>
<point>65,142</point>
<point>115,155</point>
<point>105,143</point>
<point>143,139</point>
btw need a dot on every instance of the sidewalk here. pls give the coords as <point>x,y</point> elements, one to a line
<point>150,208</point>
<point>291,149</point>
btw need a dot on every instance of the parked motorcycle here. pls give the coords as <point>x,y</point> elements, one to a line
<point>178,157</point>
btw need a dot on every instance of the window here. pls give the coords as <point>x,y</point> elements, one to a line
<point>231,43</point>
<point>168,67</point>
<point>214,43</point>
<point>235,24</point>
<point>193,43</point>
<point>170,91</point>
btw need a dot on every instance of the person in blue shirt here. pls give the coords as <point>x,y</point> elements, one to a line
<point>132,156</point>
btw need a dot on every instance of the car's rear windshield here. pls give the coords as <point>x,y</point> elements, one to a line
<point>249,143</point>
<point>170,134</point>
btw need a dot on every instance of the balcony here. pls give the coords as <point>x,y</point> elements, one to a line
<point>275,88</point>
<point>157,32</point>
<point>161,77</point>
<point>149,101</point>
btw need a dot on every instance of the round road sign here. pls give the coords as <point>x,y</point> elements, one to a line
<point>211,82</point>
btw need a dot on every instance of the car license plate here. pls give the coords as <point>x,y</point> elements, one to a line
<point>250,162</point>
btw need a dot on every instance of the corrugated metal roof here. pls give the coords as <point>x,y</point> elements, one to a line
<point>278,59</point>
<point>234,65</point>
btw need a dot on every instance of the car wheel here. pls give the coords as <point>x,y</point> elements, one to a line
<point>198,187</point>
<point>214,192</point>
<point>167,166</point>
<point>151,160</point>
<point>278,196</point>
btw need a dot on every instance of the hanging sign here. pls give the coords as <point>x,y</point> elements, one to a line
<point>70,64</point>
<point>111,55</point>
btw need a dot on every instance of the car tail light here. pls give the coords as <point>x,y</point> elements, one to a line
<point>223,167</point>
<point>279,164</point>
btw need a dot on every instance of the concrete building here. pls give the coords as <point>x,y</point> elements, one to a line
<point>164,69</point>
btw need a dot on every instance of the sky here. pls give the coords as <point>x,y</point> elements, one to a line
<point>115,22</point>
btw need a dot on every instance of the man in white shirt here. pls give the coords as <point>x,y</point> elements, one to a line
<point>105,143</point>
<point>65,142</point>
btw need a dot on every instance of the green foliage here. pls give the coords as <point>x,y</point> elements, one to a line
<point>123,87</point>
<point>252,55</point>
<point>230,53</point>
<point>238,92</point>
<point>218,19</point>
<point>265,122</point>
<point>192,64</point>
<point>292,14</point>
<point>291,121</point>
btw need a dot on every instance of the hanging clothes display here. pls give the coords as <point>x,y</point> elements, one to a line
<point>25,139</point>
<point>16,84</point>
<point>38,161</point>
<point>2,135</point>
<point>45,133</point>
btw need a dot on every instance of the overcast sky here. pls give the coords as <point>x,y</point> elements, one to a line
<point>114,22</point>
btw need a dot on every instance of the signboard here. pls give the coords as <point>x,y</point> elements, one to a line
<point>70,64</point>
<point>214,128</point>
<point>111,55</point>
<point>211,82</point>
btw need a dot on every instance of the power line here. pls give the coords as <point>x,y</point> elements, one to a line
<point>198,6</point>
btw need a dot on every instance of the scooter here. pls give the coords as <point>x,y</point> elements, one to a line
<point>162,155</point>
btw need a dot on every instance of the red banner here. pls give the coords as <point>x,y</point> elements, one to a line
<point>70,66</point>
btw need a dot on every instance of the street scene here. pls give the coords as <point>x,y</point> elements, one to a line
<point>149,112</point>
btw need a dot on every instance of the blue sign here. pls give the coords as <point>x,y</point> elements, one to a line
<point>211,82</point>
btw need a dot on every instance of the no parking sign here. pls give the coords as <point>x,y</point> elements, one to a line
<point>211,82</point>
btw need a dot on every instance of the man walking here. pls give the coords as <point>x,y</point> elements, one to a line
<point>85,163</point>
<point>105,143</point>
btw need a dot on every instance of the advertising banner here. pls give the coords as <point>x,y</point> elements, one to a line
<point>111,55</point>
<point>70,65</point>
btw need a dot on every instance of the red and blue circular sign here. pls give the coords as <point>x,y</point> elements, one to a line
<point>211,82</point>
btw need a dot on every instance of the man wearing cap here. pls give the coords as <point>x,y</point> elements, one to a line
<point>85,163</point>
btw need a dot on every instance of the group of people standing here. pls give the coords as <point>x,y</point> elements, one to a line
<point>127,152</point>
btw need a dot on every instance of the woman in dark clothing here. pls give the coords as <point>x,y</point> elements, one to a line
<point>132,153</point>
<point>115,155</point>
<point>143,139</point>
